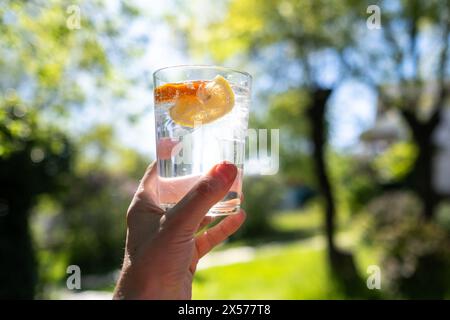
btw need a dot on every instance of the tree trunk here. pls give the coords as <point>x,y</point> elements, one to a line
<point>422,177</point>
<point>317,112</point>
<point>18,269</point>
<point>18,272</point>
<point>342,264</point>
<point>420,180</point>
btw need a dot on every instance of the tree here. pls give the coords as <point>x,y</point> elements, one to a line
<point>406,70</point>
<point>33,161</point>
<point>42,61</point>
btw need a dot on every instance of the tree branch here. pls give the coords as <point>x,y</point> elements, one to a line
<point>413,36</point>
<point>443,61</point>
<point>411,118</point>
<point>397,50</point>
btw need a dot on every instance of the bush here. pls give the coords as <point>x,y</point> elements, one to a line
<point>94,215</point>
<point>85,228</point>
<point>415,253</point>
<point>262,196</point>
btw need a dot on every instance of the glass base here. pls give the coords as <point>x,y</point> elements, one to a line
<point>223,211</point>
<point>216,211</point>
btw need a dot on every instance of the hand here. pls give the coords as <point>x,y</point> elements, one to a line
<point>162,248</point>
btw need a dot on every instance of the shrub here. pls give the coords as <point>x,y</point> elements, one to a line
<point>262,196</point>
<point>415,256</point>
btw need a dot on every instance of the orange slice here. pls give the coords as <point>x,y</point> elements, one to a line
<point>171,91</point>
<point>197,102</point>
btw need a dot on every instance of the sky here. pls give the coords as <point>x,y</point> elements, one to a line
<point>352,107</point>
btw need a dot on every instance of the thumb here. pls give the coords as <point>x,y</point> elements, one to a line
<point>211,188</point>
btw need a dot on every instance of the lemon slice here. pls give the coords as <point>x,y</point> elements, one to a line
<point>212,101</point>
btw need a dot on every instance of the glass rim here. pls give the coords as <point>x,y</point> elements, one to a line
<point>200,66</point>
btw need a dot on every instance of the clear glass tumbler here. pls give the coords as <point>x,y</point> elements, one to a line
<point>201,119</point>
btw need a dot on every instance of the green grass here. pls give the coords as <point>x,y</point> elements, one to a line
<point>292,270</point>
<point>295,271</point>
<point>309,219</point>
<point>289,272</point>
<point>286,227</point>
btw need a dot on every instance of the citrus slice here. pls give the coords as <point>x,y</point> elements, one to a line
<point>197,102</point>
<point>169,92</point>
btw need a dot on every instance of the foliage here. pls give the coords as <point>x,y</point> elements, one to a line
<point>48,71</point>
<point>287,112</point>
<point>415,254</point>
<point>95,227</point>
<point>360,190</point>
<point>35,159</point>
<point>248,25</point>
<point>24,135</point>
<point>85,225</point>
<point>93,212</point>
<point>356,181</point>
<point>418,93</point>
<point>262,195</point>
<point>396,162</point>
<point>42,56</point>
<point>443,215</point>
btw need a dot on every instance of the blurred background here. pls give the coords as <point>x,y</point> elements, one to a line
<point>359,93</point>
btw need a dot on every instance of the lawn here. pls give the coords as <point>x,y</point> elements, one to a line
<point>294,271</point>
<point>308,219</point>
<point>288,270</point>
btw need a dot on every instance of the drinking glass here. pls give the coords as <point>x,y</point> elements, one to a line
<point>201,119</point>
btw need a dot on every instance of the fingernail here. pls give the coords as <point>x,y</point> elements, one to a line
<point>226,171</point>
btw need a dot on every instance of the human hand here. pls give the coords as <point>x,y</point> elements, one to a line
<point>162,248</point>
